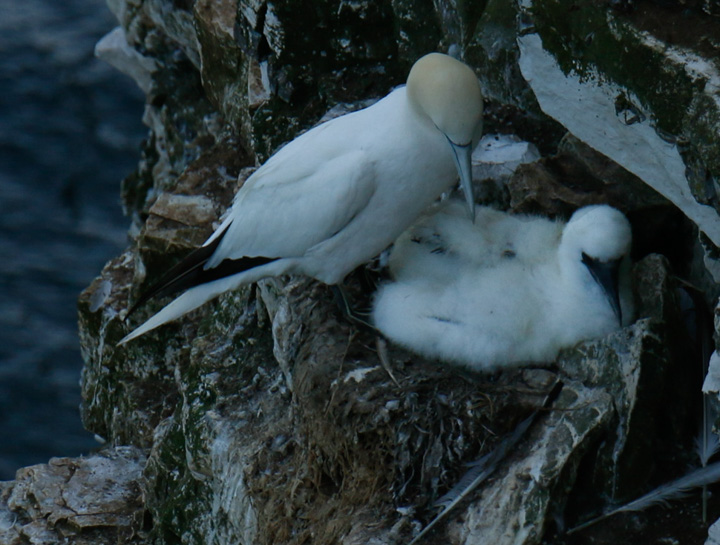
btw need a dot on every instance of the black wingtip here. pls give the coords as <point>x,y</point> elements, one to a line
<point>177,278</point>
<point>180,276</point>
<point>191,272</point>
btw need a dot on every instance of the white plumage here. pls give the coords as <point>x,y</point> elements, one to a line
<point>339,194</point>
<point>508,289</point>
<point>443,239</point>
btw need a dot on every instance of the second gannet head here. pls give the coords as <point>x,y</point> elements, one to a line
<point>447,93</point>
<point>597,240</point>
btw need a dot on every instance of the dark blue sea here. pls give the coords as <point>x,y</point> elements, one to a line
<point>70,131</point>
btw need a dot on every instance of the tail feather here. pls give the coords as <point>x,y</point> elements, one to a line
<point>190,300</point>
<point>197,295</point>
<point>179,277</point>
<point>202,284</point>
<point>191,272</point>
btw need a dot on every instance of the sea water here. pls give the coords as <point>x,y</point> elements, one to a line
<point>70,131</point>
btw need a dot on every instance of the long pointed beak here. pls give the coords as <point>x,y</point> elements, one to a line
<point>606,274</point>
<point>463,162</point>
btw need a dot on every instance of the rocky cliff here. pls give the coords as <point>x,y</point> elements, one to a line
<point>263,417</point>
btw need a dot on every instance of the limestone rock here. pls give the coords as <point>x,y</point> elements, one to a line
<point>495,160</point>
<point>656,122</point>
<point>115,50</point>
<point>514,509</point>
<point>223,72</point>
<point>713,534</point>
<point>94,500</point>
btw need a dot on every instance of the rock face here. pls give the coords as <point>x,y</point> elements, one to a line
<point>95,501</point>
<point>263,417</point>
<point>632,88</point>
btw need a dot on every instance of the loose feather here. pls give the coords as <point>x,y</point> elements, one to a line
<point>485,466</point>
<point>699,325</point>
<point>707,445</point>
<point>661,495</point>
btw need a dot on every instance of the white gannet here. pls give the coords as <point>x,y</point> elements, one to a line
<point>339,194</point>
<point>518,306</point>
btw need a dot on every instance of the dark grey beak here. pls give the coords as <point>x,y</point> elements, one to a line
<point>606,274</point>
<point>463,162</point>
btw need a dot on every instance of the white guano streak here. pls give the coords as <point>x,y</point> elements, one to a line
<point>587,109</point>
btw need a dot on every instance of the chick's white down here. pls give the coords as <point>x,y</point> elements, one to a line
<point>505,290</point>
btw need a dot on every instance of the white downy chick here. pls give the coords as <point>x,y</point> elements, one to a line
<point>509,311</point>
<point>443,239</point>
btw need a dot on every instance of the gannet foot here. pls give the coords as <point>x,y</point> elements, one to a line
<point>357,317</point>
<point>383,356</point>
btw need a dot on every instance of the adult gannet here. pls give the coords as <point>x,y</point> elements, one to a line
<point>519,306</point>
<point>339,194</point>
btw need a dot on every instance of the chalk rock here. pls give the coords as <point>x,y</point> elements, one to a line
<point>662,137</point>
<point>93,500</point>
<point>114,49</point>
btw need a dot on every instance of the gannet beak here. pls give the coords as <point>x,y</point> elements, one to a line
<point>606,274</point>
<point>463,162</point>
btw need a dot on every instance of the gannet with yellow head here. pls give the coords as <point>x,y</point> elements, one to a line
<point>340,193</point>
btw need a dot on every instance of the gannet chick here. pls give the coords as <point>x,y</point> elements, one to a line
<point>339,194</point>
<point>515,310</point>
<point>443,239</point>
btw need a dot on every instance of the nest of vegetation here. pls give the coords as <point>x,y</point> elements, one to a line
<point>387,438</point>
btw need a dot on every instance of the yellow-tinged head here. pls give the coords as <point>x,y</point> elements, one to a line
<point>448,92</point>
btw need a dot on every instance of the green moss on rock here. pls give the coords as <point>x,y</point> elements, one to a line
<point>588,40</point>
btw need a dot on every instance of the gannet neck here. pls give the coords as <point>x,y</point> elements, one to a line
<point>447,93</point>
<point>594,247</point>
